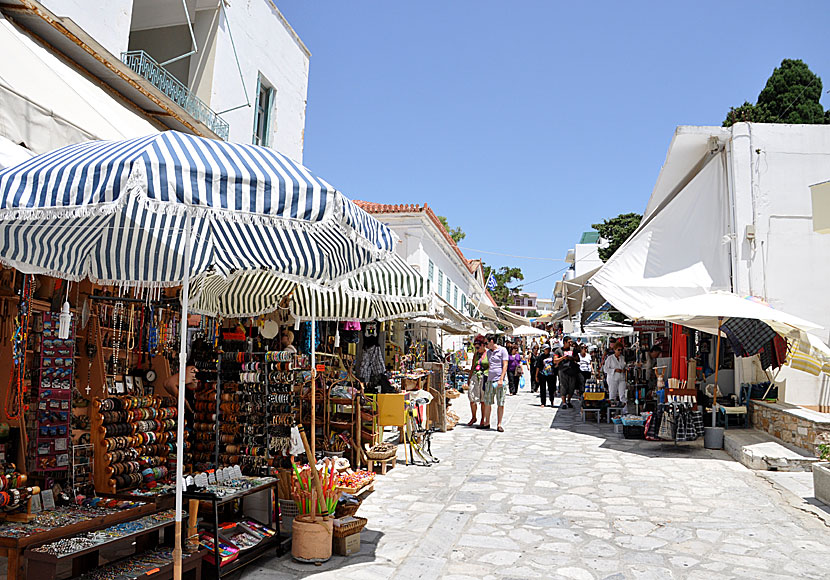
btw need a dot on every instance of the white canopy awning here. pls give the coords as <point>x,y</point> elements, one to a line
<point>12,153</point>
<point>45,103</point>
<point>677,252</point>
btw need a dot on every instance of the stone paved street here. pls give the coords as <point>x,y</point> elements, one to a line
<point>555,498</point>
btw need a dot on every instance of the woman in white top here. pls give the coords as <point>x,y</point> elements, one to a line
<point>585,364</point>
<point>614,369</point>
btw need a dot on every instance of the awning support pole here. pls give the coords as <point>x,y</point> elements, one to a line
<point>177,546</point>
<point>313,429</point>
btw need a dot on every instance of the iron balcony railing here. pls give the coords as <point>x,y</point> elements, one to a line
<point>146,66</point>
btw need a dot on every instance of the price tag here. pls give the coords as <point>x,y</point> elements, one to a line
<point>48,499</point>
<point>189,481</point>
<point>36,506</point>
<point>220,475</point>
<point>237,472</point>
<point>211,479</point>
<point>320,368</point>
<point>201,480</point>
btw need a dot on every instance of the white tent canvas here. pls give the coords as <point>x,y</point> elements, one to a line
<point>677,252</point>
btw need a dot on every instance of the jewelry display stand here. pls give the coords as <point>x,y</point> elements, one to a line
<point>125,428</point>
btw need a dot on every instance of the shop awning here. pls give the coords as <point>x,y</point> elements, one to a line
<point>677,252</point>
<point>507,317</point>
<point>385,290</point>
<point>46,104</point>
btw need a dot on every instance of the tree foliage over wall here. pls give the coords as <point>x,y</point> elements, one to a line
<point>506,283</point>
<point>792,95</point>
<point>615,231</point>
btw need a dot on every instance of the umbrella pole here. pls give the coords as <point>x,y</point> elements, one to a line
<point>313,428</point>
<point>177,546</point>
<point>717,368</point>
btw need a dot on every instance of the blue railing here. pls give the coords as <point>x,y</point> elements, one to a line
<point>146,66</point>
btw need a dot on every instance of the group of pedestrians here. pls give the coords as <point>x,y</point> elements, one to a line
<point>495,371</point>
<point>567,366</point>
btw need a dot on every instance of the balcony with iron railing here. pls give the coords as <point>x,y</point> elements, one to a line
<point>143,64</point>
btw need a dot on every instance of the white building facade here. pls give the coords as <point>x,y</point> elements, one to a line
<point>230,70</point>
<point>427,247</point>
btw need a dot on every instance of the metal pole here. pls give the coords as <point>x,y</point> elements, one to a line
<point>177,547</point>
<point>313,459</point>
<point>717,368</point>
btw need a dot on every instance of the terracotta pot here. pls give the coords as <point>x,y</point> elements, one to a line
<point>311,540</point>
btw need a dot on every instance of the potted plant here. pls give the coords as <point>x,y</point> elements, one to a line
<point>821,474</point>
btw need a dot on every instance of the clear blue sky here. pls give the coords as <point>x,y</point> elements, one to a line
<point>525,122</point>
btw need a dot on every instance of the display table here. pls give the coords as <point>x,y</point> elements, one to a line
<point>249,555</point>
<point>41,531</point>
<point>142,534</point>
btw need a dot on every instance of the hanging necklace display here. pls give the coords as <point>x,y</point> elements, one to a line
<point>92,331</point>
<point>118,322</point>
<point>20,341</point>
<point>153,333</point>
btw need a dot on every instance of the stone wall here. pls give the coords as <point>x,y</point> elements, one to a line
<point>794,425</point>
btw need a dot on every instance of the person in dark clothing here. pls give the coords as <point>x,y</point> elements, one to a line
<point>568,366</point>
<point>534,354</point>
<point>545,374</point>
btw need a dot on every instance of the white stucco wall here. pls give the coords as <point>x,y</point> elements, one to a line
<point>772,168</point>
<point>586,258</point>
<point>265,44</point>
<point>107,22</point>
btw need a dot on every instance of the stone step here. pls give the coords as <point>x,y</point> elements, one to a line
<point>759,450</point>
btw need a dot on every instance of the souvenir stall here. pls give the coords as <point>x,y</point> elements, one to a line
<point>145,224</point>
<point>752,330</point>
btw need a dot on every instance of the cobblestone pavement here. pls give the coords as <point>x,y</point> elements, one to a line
<point>555,498</point>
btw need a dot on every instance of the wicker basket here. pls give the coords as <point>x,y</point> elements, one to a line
<point>345,510</point>
<point>350,528</point>
<point>288,511</point>
<point>382,455</point>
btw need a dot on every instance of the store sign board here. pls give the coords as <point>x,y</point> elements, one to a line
<point>650,326</point>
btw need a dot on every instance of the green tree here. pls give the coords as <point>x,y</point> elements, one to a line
<point>533,314</point>
<point>506,288</point>
<point>457,234</point>
<point>791,95</point>
<point>615,231</point>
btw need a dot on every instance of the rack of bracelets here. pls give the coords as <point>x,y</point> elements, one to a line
<point>257,405</point>
<point>134,439</point>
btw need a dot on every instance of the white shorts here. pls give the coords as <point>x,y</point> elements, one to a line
<point>476,390</point>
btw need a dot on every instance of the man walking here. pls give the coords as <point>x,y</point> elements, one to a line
<point>497,376</point>
<point>545,372</point>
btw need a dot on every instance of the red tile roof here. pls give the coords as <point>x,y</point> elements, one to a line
<point>378,208</point>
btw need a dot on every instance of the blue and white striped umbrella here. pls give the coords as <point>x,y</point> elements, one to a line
<point>114,211</point>
<point>386,290</point>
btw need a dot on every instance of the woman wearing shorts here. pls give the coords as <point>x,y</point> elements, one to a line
<point>477,378</point>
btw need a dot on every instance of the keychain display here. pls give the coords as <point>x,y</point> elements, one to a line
<point>53,398</point>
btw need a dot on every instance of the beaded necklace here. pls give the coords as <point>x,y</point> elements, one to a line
<point>20,341</point>
<point>118,321</point>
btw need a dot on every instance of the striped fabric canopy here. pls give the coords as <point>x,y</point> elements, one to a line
<point>115,211</point>
<point>383,291</point>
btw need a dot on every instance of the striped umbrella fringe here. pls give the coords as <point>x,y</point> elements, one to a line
<point>382,291</point>
<point>115,211</point>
